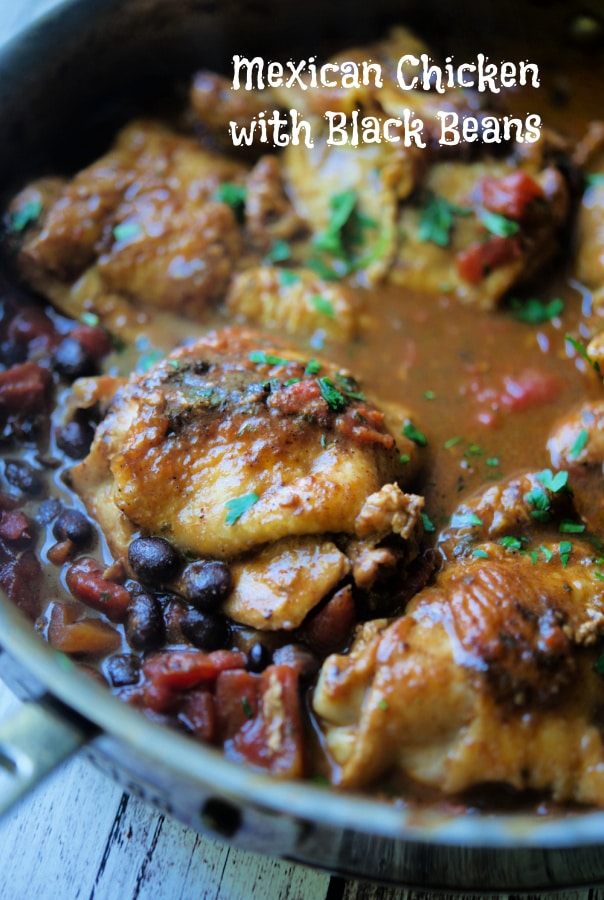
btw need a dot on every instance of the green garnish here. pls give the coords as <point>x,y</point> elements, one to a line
<point>24,216</point>
<point>492,461</point>
<point>288,277</point>
<point>452,442</point>
<point>540,501</point>
<point>429,525</point>
<point>536,312</point>
<point>498,224</point>
<point>89,318</point>
<point>312,367</point>
<point>383,705</point>
<point>599,665</point>
<point>510,542</point>
<point>474,450</point>
<point>594,179</point>
<point>404,458</point>
<point>569,527</point>
<point>565,551</point>
<point>414,434</point>
<point>331,240</point>
<point>578,346</point>
<point>148,359</point>
<point>262,358</point>
<point>247,708</point>
<point>548,554</point>
<point>126,231</point>
<point>429,395</point>
<point>599,576</point>
<point>481,554</point>
<point>234,195</point>
<point>279,252</point>
<point>436,220</point>
<point>323,305</point>
<point>334,398</point>
<point>554,483</point>
<point>238,506</point>
<point>466,520</point>
<point>579,444</point>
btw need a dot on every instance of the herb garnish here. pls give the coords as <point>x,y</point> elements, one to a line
<point>312,367</point>
<point>578,346</point>
<point>333,397</point>
<point>323,305</point>
<point>414,434</point>
<point>554,483</point>
<point>429,525</point>
<point>536,312</point>
<point>247,708</point>
<point>126,231</point>
<point>237,506</point>
<point>569,527</point>
<point>565,551</point>
<point>280,251</point>
<point>260,357</point>
<point>579,444</point>
<point>466,520</point>
<point>498,224</point>
<point>24,216</point>
<point>288,277</point>
<point>436,220</point>
<point>594,179</point>
<point>343,234</point>
<point>234,195</point>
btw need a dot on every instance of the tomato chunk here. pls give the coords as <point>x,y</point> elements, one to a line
<point>86,581</point>
<point>174,671</point>
<point>511,195</point>
<point>271,737</point>
<point>479,260</point>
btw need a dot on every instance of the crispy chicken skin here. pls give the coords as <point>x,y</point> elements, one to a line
<point>232,419</point>
<point>483,680</point>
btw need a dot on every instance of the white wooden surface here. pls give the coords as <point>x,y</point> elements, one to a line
<point>80,836</point>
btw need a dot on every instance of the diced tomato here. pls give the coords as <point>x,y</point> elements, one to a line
<point>329,628</point>
<point>68,633</point>
<point>530,388</point>
<point>272,739</point>
<point>511,195</point>
<point>475,263</point>
<point>21,579</point>
<point>15,526</point>
<point>366,426</point>
<point>86,581</point>
<point>25,388</point>
<point>198,713</point>
<point>177,670</point>
<point>236,701</point>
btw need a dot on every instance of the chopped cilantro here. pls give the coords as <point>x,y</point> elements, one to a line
<point>498,224</point>
<point>568,527</point>
<point>288,277</point>
<point>414,434</point>
<point>599,576</point>
<point>429,395</point>
<point>279,252</point>
<point>436,220</point>
<point>579,444</point>
<point>323,305</point>
<point>24,216</point>
<point>89,318</point>
<point>510,542</point>
<point>540,501</point>
<point>452,442</point>
<point>492,461</point>
<point>247,708</point>
<point>237,506</point>
<point>341,206</point>
<point>260,357</point>
<point>548,554</point>
<point>554,483</point>
<point>481,554</point>
<point>175,363</point>
<point>148,359</point>
<point>234,195</point>
<point>348,385</point>
<point>404,458</point>
<point>578,346</point>
<point>383,705</point>
<point>429,525</point>
<point>466,520</point>
<point>594,179</point>
<point>536,312</point>
<point>565,549</point>
<point>126,231</point>
<point>334,398</point>
<point>312,367</point>
<point>474,450</point>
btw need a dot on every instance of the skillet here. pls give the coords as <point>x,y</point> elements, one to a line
<point>100,56</point>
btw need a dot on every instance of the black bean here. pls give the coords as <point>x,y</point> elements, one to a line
<point>123,669</point>
<point>12,353</point>
<point>205,630</point>
<point>72,525</point>
<point>145,628</point>
<point>258,657</point>
<point>207,583</point>
<point>22,476</point>
<point>153,559</point>
<point>75,439</point>
<point>298,657</point>
<point>72,360</point>
<point>48,510</point>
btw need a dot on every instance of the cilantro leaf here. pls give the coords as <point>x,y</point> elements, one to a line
<point>554,483</point>
<point>279,252</point>
<point>323,305</point>
<point>126,231</point>
<point>579,444</point>
<point>436,220</point>
<point>498,224</point>
<point>334,398</point>
<point>578,346</point>
<point>414,434</point>
<point>237,506</point>
<point>536,312</point>
<point>260,357</point>
<point>24,216</point>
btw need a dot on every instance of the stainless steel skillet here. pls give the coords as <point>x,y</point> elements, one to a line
<point>66,70</point>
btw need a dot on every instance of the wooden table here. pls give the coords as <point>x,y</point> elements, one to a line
<point>80,836</point>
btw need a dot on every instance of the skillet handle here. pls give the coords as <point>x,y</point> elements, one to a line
<point>33,742</point>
